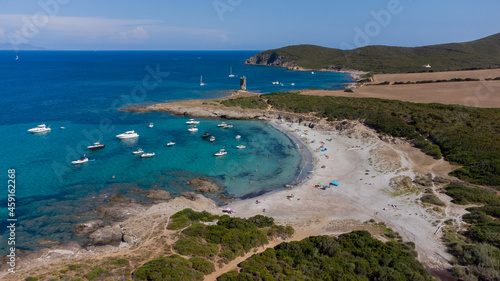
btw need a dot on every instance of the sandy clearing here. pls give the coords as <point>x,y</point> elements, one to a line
<point>484,94</point>
<point>404,77</point>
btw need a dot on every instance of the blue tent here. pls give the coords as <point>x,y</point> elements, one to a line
<point>334,183</point>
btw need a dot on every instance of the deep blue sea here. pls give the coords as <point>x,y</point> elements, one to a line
<point>79,93</point>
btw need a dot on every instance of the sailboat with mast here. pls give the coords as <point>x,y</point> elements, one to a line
<point>231,72</point>
<point>201,81</point>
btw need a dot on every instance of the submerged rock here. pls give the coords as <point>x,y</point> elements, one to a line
<point>190,195</point>
<point>205,185</point>
<point>87,227</point>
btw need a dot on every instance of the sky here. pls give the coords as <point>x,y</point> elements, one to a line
<point>242,24</point>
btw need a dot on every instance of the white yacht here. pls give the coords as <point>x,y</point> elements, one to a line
<point>39,129</point>
<point>147,155</point>
<point>192,122</point>
<point>221,152</point>
<point>138,151</point>
<point>276,82</point>
<point>80,161</point>
<point>223,124</point>
<point>231,72</point>
<point>193,129</point>
<point>201,81</point>
<point>228,126</point>
<point>212,138</point>
<point>240,146</point>
<point>171,143</point>
<point>128,135</point>
<point>237,137</point>
<point>151,125</point>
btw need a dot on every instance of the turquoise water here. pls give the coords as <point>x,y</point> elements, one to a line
<point>82,92</point>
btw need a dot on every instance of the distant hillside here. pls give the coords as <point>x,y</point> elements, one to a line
<point>480,54</point>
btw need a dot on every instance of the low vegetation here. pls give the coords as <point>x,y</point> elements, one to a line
<point>353,256</point>
<point>466,136</point>
<point>476,248</point>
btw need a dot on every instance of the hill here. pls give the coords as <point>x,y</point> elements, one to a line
<point>479,54</point>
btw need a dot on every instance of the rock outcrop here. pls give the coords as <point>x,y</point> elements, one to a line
<point>205,185</point>
<point>159,194</point>
<point>107,235</point>
<point>87,227</point>
<point>120,208</point>
<point>270,59</point>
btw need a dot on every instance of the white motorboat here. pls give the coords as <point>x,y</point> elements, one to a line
<point>201,81</point>
<point>240,146</point>
<point>80,161</point>
<point>231,72</point>
<point>138,151</point>
<point>192,122</point>
<point>293,84</point>
<point>212,138</point>
<point>312,72</point>
<point>276,82</point>
<point>221,152</point>
<point>151,125</point>
<point>147,155</point>
<point>128,135</point>
<point>228,126</point>
<point>171,143</point>
<point>96,145</point>
<point>193,129</point>
<point>223,124</point>
<point>237,137</point>
<point>39,129</point>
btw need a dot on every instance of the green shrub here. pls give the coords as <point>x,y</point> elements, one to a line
<point>173,267</point>
<point>202,265</point>
<point>98,271</point>
<point>119,261</point>
<point>74,266</point>
<point>192,246</point>
<point>31,278</point>
<point>464,195</point>
<point>184,218</point>
<point>432,199</point>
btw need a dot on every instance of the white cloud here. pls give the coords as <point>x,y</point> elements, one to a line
<point>99,31</point>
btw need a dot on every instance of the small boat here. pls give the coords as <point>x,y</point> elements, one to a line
<point>228,126</point>
<point>171,143</point>
<point>237,137</point>
<point>205,135</point>
<point>151,125</point>
<point>96,145</point>
<point>193,129</point>
<point>147,155</point>
<point>221,152</point>
<point>312,72</point>
<point>201,81</point>
<point>138,151</point>
<point>276,83</point>
<point>128,135</point>
<point>223,124</point>
<point>39,129</point>
<point>293,84</point>
<point>240,146</point>
<point>192,121</point>
<point>64,128</point>
<point>212,138</point>
<point>80,161</point>
<point>17,57</point>
<point>231,72</point>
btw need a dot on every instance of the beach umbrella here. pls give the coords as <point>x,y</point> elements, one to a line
<point>320,183</point>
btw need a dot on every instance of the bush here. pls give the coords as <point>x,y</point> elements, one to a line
<point>184,218</point>
<point>432,199</point>
<point>464,195</point>
<point>98,271</point>
<point>31,278</point>
<point>119,261</point>
<point>173,267</point>
<point>191,246</point>
<point>202,265</point>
